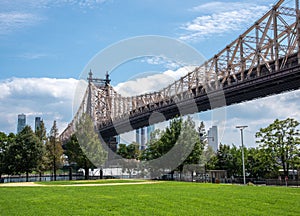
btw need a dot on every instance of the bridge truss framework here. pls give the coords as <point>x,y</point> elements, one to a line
<point>265,56</point>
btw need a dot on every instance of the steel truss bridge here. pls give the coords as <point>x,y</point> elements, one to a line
<point>262,61</point>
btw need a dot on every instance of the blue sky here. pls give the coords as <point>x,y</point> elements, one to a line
<point>45,45</point>
<point>57,38</point>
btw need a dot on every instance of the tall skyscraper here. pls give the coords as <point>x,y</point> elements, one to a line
<point>143,139</point>
<point>21,122</point>
<point>212,137</point>
<point>118,138</point>
<point>37,122</point>
<point>137,135</point>
<point>150,129</point>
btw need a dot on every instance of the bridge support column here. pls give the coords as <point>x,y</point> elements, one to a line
<point>142,137</point>
<point>111,143</point>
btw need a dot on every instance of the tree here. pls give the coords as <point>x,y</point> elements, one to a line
<point>184,138</point>
<point>281,140</point>
<point>76,155</point>
<point>150,152</point>
<point>161,143</point>
<point>25,153</point>
<point>6,158</point>
<point>133,151</point>
<point>202,132</point>
<point>227,158</point>
<point>84,147</point>
<point>3,149</point>
<point>122,150</point>
<point>207,155</point>
<point>74,152</point>
<point>191,137</point>
<point>259,163</point>
<point>130,154</point>
<point>53,150</point>
<point>41,132</point>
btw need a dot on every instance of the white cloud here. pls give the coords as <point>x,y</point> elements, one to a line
<point>90,3</point>
<point>48,98</point>
<point>22,5</point>
<point>165,62</point>
<point>32,56</point>
<point>218,7</point>
<point>219,18</point>
<point>18,14</point>
<point>258,114</point>
<point>151,83</point>
<point>28,87</point>
<point>11,21</point>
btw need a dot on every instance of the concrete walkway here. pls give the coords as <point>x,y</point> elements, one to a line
<point>32,184</point>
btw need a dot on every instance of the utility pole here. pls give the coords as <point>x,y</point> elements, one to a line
<point>243,158</point>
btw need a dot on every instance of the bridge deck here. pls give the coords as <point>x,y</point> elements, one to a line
<point>236,92</point>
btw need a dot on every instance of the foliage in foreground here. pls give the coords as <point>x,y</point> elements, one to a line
<point>167,198</point>
<point>84,147</point>
<point>281,141</point>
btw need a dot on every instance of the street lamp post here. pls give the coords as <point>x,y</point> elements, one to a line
<point>205,166</point>
<point>243,159</point>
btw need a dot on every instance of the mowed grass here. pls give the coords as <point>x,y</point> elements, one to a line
<point>164,198</point>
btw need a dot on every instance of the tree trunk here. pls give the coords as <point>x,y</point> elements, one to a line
<point>54,173</point>
<point>284,166</point>
<point>86,173</point>
<point>27,176</point>
<point>180,171</point>
<point>172,175</point>
<point>101,173</point>
<point>70,173</point>
<point>129,171</point>
<point>192,176</point>
<point>54,168</point>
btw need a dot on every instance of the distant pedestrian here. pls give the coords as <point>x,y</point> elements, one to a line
<point>286,180</point>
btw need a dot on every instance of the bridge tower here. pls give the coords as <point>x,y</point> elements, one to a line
<point>95,99</point>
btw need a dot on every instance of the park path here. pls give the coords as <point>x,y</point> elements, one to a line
<point>32,184</point>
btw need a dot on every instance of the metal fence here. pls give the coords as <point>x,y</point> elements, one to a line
<point>283,182</point>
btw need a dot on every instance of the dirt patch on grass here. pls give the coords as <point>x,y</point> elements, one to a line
<point>32,184</point>
<point>18,184</point>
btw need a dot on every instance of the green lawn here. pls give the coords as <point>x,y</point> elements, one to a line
<point>165,198</point>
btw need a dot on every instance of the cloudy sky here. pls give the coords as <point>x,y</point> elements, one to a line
<point>45,46</point>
